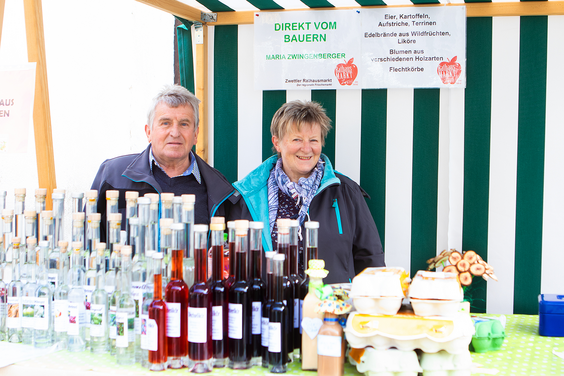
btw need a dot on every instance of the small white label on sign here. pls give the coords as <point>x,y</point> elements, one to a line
<point>274,337</point>
<point>152,335</point>
<point>173,320</point>
<point>235,321</point>
<point>42,313</point>
<point>264,335</point>
<point>257,318</point>
<point>329,345</point>
<point>197,325</point>
<point>61,315</point>
<point>217,323</point>
<point>312,326</point>
<point>97,320</point>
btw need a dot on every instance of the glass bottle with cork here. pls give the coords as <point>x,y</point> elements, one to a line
<point>28,292</point>
<point>61,297</point>
<point>296,281</point>
<point>77,311</point>
<point>219,296</point>
<point>125,313</point>
<point>99,306</point>
<point>188,202</point>
<point>278,321</point>
<point>269,256</point>
<point>13,319</point>
<point>257,290</point>
<point>156,322</point>
<point>43,319</point>
<point>147,300</point>
<point>283,225</point>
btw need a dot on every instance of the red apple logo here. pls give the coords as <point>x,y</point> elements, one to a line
<point>346,73</point>
<point>449,71</point>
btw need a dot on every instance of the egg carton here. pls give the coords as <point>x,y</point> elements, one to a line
<point>392,362</point>
<point>405,331</point>
<point>444,364</point>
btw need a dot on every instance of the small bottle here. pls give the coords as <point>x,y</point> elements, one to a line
<point>113,256</point>
<point>13,319</point>
<point>28,293</point>
<point>61,298</point>
<point>277,325</point>
<point>240,303</point>
<point>112,199</point>
<point>257,290</point>
<point>19,208</point>
<point>147,300</point>
<point>152,241</point>
<point>30,224</point>
<point>125,313</point>
<point>177,209</point>
<point>77,308</point>
<point>130,212</point>
<point>55,274</point>
<point>269,256</point>
<point>177,301</point>
<point>289,288</point>
<point>90,275</point>
<point>115,288</point>
<point>316,273</point>
<point>99,306</point>
<point>93,238</point>
<point>330,347</point>
<point>43,319</point>
<point>58,214</point>
<point>296,281</point>
<point>188,202</point>
<point>40,205</point>
<point>139,280</point>
<point>200,349</point>
<point>156,322</point>
<point>219,298</point>
<point>166,205</point>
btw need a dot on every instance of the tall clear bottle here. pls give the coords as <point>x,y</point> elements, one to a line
<point>289,288</point>
<point>277,326</point>
<point>93,237</point>
<point>3,295</point>
<point>269,257</point>
<point>112,256</point>
<point>130,212</point>
<point>99,306</point>
<point>166,205</point>
<point>177,209</point>
<point>77,206</point>
<point>166,249</point>
<point>54,255</point>
<point>139,279</point>
<point>19,208</point>
<point>147,299</point>
<point>188,202</point>
<point>219,298</point>
<point>112,197</point>
<point>115,288</point>
<point>58,197</point>
<point>200,348</point>
<point>28,292</point>
<point>257,290</point>
<point>28,260</point>
<point>7,234</point>
<point>30,224</point>
<point>77,309</point>
<point>40,205</point>
<point>176,294</point>
<point>240,303</point>
<point>61,297</point>
<point>43,312</point>
<point>125,314</point>
<point>13,319</point>
<point>156,321</point>
<point>152,236</point>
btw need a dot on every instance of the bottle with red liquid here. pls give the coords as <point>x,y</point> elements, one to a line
<point>155,326</point>
<point>231,259</point>
<point>289,288</point>
<point>257,290</point>
<point>277,329</point>
<point>239,318</point>
<point>269,299</point>
<point>296,281</point>
<point>219,298</point>
<point>199,310</point>
<point>176,294</point>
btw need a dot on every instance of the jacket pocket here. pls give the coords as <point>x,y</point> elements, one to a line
<point>338,215</point>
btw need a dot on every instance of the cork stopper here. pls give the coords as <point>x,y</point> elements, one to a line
<point>126,250</point>
<point>166,222</point>
<point>94,217</point>
<point>256,225</point>
<point>166,199</point>
<point>188,198</point>
<point>101,246</point>
<point>91,194</point>
<point>77,195</point>
<point>114,217</point>
<point>16,240</point>
<point>41,193</point>
<point>47,215</point>
<point>76,247</point>
<point>31,241</point>
<point>131,195</point>
<point>59,191</point>
<point>217,227</point>
<point>311,224</point>
<point>112,195</point>
<point>220,220</point>
<point>200,228</point>
<point>154,197</point>
<point>30,213</point>
<point>63,245</point>
<point>8,215</point>
<point>241,226</point>
<point>19,191</point>
<point>78,216</point>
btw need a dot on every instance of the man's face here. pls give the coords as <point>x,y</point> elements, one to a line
<point>173,134</point>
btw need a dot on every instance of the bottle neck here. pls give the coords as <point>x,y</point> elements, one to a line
<point>176,260</point>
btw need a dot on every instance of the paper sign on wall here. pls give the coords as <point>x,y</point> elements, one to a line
<point>17,92</point>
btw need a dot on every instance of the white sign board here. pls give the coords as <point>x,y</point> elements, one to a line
<point>17,92</point>
<point>408,47</point>
<point>307,50</point>
<point>414,47</point>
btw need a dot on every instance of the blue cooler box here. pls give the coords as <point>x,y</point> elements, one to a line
<point>551,315</point>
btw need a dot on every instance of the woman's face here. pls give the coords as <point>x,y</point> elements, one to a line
<point>300,150</point>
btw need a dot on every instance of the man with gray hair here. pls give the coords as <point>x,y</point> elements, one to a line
<point>168,164</point>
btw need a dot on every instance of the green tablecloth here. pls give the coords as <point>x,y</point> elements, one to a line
<point>524,352</point>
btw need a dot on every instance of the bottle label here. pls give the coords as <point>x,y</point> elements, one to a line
<point>173,320</point>
<point>41,316</point>
<point>74,318</point>
<point>144,331</point>
<point>235,321</point>
<point>152,335</point>
<point>137,291</point>
<point>329,345</point>
<point>125,324</point>
<point>61,315</point>
<point>110,290</point>
<point>217,323</point>
<point>296,313</point>
<point>264,335</point>
<point>112,322</point>
<point>13,319</point>
<point>53,279</point>
<point>97,320</point>
<point>274,337</point>
<point>197,325</point>
<point>88,290</point>
<point>28,311</point>
<point>301,314</point>
<point>256,321</point>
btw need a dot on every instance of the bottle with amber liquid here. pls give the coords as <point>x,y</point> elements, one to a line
<point>200,349</point>
<point>296,281</point>
<point>289,288</point>
<point>176,294</point>
<point>257,290</point>
<point>269,299</point>
<point>240,303</point>
<point>277,326</point>
<point>219,298</point>
<point>156,323</point>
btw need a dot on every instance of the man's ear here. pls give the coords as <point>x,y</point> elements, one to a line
<point>148,132</point>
